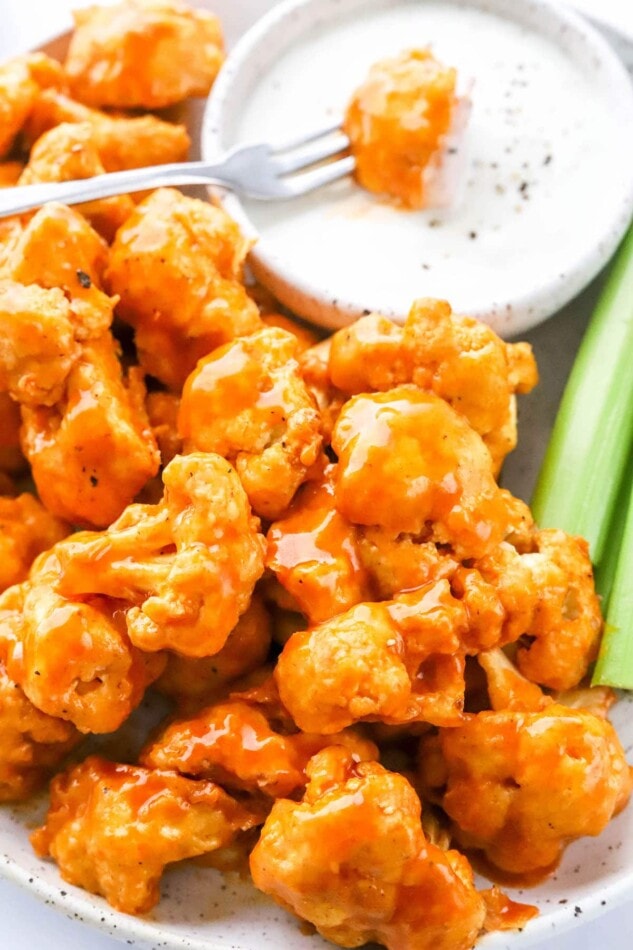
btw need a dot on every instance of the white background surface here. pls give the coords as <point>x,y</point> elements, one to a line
<point>26,924</point>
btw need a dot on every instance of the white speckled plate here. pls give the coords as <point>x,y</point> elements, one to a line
<point>547,187</point>
<point>200,909</point>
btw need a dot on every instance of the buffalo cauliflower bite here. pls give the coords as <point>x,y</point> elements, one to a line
<point>68,153</point>
<point>143,54</point>
<point>397,661</point>
<point>121,141</point>
<point>37,343</point>
<point>396,473</point>
<point>397,122</point>
<point>313,554</point>
<point>247,402</point>
<point>26,529</point>
<point>97,436</point>
<point>21,80</point>
<point>73,658</point>
<point>234,744</point>
<point>166,818</point>
<point>520,786</point>
<point>400,562</point>
<point>456,357</point>
<point>353,860</point>
<point>563,638</point>
<point>176,265</point>
<point>77,268</point>
<point>194,680</point>
<point>188,565</point>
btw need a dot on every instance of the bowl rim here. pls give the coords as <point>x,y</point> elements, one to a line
<point>301,294</point>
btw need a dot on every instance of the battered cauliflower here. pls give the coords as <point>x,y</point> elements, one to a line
<point>68,153</point>
<point>520,786</point>
<point>26,529</point>
<point>247,402</point>
<point>234,744</point>
<point>93,450</point>
<point>313,554</point>
<point>143,54</point>
<point>73,658</point>
<point>176,265</point>
<point>353,860</point>
<point>313,366</point>
<point>37,343</point>
<point>21,80</point>
<point>121,141</point>
<point>456,357</point>
<point>397,661</point>
<point>187,565</point>
<point>166,818</point>
<point>194,680</point>
<point>395,472</point>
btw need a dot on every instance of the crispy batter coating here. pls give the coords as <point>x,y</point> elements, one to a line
<point>11,458</point>
<point>352,859</point>
<point>73,658</point>
<point>194,680</point>
<point>69,152</point>
<point>234,744</point>
<point>26,529</point>
<point>394,472</point>
<point>162,412</point>
<point>247,402</point>
<point>397,120</point>
<point>188,564</point>
<point>396,661</point>
<point>456,357</point>
<point>313,554</point>
<point>166,818</point>
<point>77,268</point>
<point>400,562</point>
<point>97,435</point>
<point>143,54</point>
<point>20,82</point>
<point>314,368</point>
<point>37,343</point>
<point>32,744</point>
<point>121,141</point>
<point>567,622</point>
<point>519,786</point>
<point>176,265</point>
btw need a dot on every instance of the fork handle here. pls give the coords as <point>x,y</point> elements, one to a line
<point>28,197</point>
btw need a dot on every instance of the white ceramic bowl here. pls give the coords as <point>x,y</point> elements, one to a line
<point>549,177</point>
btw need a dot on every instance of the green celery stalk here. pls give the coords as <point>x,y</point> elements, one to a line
<point>589,448</point>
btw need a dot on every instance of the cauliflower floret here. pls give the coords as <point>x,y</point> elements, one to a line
<point>394,472</point>
<point>26,529</point>
<point>166,818</point>
<point>121,141</point>
<point>143,54</point>
<point>234,744</point>
<point>162,412</point>
<point>352,859</point>
<point>456,357</point>
<point>21,80</point>
<point>194,680</point>
<point>72,658</point>
<point>97,435</point>
<point>567,621</point>
<point>247,402</point>
<point>68,153</point>
<point>313,554</point>
<point>400,562</point>
<point>396,661</point>
<point>176,265</point>
<point>77,269</point>
<point>188,564</point>
<point>37,343</point>
<point>520,785</point>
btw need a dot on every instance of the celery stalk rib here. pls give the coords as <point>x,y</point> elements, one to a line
<point>589,448</point>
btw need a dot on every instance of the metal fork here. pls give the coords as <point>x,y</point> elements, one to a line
<point>263,171</point>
